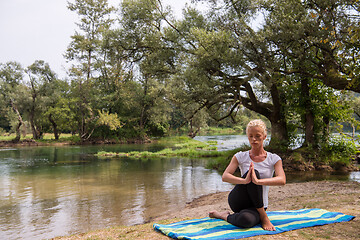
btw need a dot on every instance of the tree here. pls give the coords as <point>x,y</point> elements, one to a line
<point>11,75</point>
<point>85,45</point>
<point>225,63</point>
<point>40,76</point>
<point>85,52</point>
<point>228,64</point>
<point>311,37</point>
<point>134,48</point>
<point>321,37</point>
<point>57,109</point>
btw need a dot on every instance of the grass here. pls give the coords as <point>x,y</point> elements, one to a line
<point>47,137</point>
<point>178,147</point>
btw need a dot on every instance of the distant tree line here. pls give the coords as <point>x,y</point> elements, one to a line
<point>138,71</point>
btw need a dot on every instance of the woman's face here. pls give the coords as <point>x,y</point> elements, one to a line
<point>256,136</point>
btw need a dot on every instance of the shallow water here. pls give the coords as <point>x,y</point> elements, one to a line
<point>56,191</point>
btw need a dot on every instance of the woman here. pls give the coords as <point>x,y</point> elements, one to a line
<point>249,198</point>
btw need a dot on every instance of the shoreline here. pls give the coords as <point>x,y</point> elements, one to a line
<point>330,195</point>
<point>288,163</point>
<point>31,142</point>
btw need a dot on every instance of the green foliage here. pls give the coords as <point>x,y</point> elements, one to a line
<point>4,120</point>
<point>160,75</point>
<point>40,89</point>
<point>337,154</point>
<point>339,151</point>
<point>94,21</point>
<point>323,104</point>
<point>2,131</point>
<point>60,111</point>
<point>341,145</point>
<point>110,120</point>
<point>85,53</point>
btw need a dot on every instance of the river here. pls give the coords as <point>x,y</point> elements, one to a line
<point>55,191</point>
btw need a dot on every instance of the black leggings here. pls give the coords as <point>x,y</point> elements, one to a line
<point>244,199</point>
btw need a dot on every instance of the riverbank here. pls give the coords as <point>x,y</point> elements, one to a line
<point>66,141</point>
<point>300,160</point>
<point>330,195</point>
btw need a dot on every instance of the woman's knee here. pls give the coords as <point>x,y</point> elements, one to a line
<point>244,219</point>
<point>237,198</point>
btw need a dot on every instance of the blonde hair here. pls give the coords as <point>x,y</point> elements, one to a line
<point>256,123</point>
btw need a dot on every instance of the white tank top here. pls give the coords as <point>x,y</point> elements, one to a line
<point>265,168</point>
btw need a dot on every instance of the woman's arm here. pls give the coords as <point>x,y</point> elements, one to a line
<point>228,175</point>
<point>279,179</point>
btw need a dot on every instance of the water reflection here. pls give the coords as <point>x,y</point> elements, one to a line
<point>226,142</point>
<point>355,176</point>
<point>52,191</point>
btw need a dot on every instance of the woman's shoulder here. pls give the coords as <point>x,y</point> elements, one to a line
<point>240,156</point>
<point>273,157</point>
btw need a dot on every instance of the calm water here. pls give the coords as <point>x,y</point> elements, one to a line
<point>55,191</point>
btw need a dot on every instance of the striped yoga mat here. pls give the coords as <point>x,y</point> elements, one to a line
<point>214,229</point>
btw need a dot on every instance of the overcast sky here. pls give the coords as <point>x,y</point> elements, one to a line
<point>40,30</point>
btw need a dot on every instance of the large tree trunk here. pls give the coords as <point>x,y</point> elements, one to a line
<point>145,106</point>
<point>308,119</point>
<point>191,132</point>
<point>279,131</point>
<point>36,133</point>
<point>20,122</point>
<point>56,133</point>
<point>82,126</point>
<point>309,129</point>
<point>326,129</point>
<point>274,112</point>
<point>18,134</point>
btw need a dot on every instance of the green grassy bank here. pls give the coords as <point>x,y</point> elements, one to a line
<point>302,159</point>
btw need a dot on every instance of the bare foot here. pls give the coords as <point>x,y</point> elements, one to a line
<point>265,221</point>
<point>219,215</point>
<point>267,225</point>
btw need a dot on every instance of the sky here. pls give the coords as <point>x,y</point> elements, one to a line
<point>40,30</point>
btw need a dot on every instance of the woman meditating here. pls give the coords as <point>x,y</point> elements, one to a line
<point>249,198</point>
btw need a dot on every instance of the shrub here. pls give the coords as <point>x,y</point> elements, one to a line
<point>339,151</point>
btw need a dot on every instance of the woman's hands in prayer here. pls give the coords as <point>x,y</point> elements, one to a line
<point>248,177</point>
<point>253,177</point>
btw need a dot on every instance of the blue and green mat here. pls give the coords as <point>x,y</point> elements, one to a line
<point>216,229</point>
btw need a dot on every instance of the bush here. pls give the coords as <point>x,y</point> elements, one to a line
<point>341,145</point>
<point>339,151</point>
